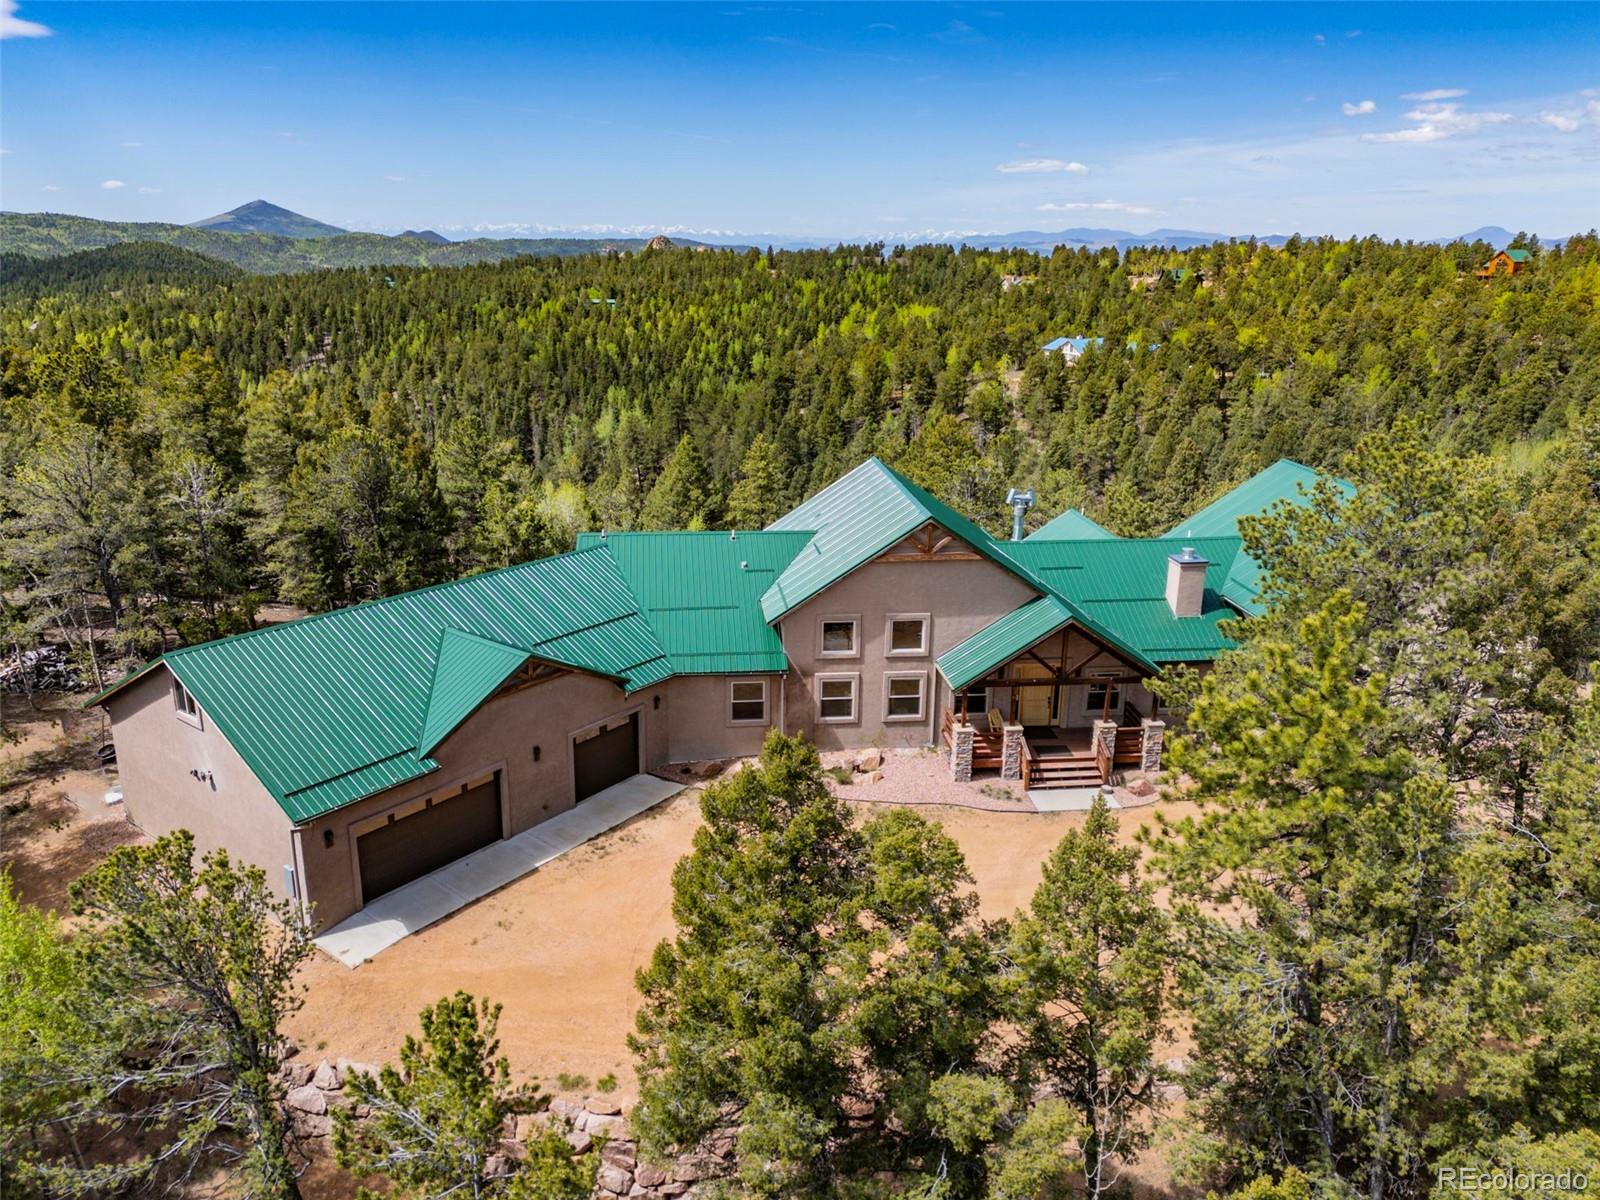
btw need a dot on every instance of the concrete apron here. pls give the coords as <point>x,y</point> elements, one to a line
<point>420,903</point>
<point>1066,799</point>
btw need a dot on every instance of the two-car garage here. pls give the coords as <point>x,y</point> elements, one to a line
<point>419,837</point>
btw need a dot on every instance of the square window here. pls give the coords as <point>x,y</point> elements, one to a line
<point>903,697</point>
<point>747,701</point>
<point>836,697</point>
<point>839,637</point>
<point>1098,702</point>
<point>908,635</point>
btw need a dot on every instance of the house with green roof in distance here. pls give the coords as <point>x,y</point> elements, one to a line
<point>359,752</point>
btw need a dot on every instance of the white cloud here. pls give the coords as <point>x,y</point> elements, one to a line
<point>1097,206</point>
<point>395,178</point>
<point>13,26</point>
<point>112,185</point>
<point>50,187</point>
<point>1434,122</point>
<point>1041,166</point>
<point>3,150</point>
<point>1435,94</point>
<point>149,191</point>
<point>1320,39</point>
<point>1364,108</point>
<point>1565,122</point>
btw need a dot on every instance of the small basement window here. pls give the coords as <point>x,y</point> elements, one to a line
<point>903,696</point>
<point>840,637</point>
<point>836,697</point>
<point>183,701</point>
<point>747,702</point>
<point>907,636</point>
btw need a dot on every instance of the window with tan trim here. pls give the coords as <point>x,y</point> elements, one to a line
<point>839,636</point>
<point>747,702</point>
<point>907,635</point>
<point>837,697</point>
<point>184,703</point>
<point>905,695</point>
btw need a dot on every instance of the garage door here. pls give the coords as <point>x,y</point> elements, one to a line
<point>425,840</point>
<point>607,757</point>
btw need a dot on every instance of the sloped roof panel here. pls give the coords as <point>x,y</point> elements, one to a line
<point>857,518</point>
<point>1002,640</point>
<point>1071,525</point>
<point>466,671</point>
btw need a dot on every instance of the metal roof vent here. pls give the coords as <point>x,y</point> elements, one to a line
<point>1020,503</point>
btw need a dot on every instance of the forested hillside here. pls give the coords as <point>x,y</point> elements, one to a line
<point>180,447</point>
<point>50,235</point>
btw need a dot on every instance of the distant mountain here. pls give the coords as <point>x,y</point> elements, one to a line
<point>259,216</point>
<point>426,235</point>
<point>50,235</point>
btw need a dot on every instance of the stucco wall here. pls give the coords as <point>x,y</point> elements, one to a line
<point>156,750</point>
<point>499,736</point>
<point>960,595</point>
<point>699,727</point>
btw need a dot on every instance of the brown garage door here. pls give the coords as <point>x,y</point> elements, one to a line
<point>411,846</point>
<point>607,757</point>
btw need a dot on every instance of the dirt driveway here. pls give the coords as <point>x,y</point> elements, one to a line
<point>559,948</point>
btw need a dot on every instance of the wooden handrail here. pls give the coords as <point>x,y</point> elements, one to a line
<point>1102,761</point>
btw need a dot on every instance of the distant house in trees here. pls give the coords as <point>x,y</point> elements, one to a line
<point>1071,348</point>
<point>1506,262</point>
<point>1007,282</point>
<point>352,753</point>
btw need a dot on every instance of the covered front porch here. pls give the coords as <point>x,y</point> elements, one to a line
<point>1050,703</point>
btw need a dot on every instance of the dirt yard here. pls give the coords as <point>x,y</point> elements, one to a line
<point>54,822</point>
<point>559,947</point>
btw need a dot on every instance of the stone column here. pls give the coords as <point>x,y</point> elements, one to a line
<point>1105,734</point>
<point>961,753</point>
<point>1153,734</point>
<point>1011,752</point>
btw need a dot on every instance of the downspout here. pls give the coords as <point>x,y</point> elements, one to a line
<point>297,857</point>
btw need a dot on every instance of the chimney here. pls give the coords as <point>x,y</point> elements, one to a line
<point>1020,503</point>
<point>1186,583</point>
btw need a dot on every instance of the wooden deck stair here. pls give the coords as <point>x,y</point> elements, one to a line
<point>1064,770</point>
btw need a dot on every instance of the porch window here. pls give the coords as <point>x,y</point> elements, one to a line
<point>747,702</point>
<point>836,697</point>
<point>840,637</point>
<point>904,694</point>
<point>907,636</point>
<point>1098,703</point>
<point>184,703</point>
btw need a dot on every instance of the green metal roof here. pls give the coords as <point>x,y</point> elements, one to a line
<point>1069,526</point>
<point>858,517</point>
<point>1283,482</point>
<point>701,594</point>
<point>1002,640</point>
<point>1112,587</point>
<point>331,708</point>
<point>1520,256</point>
<point>465,671</point>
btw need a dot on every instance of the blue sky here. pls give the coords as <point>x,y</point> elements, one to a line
<point>835,120</point>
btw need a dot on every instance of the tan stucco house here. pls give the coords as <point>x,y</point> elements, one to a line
<point>351,752</point>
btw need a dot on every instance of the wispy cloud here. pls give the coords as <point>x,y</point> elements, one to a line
<point>1565,122</point>
<point>1097,206</point>
<point>149,191</point>
<point>1435,94</point>
<point>1320,39</point>
<point>1041,166</point>
<point>394,178</point>
<point>1435,122</point>
<point>111,185</point>
<point>50,187</point>
<point>1361,108</point>
<point>13,26</point>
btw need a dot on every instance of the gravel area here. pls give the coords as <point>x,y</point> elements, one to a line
<point>921,777</point>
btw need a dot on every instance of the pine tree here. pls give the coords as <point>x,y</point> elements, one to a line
<point>679,498</point>
<point>757,499</point>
